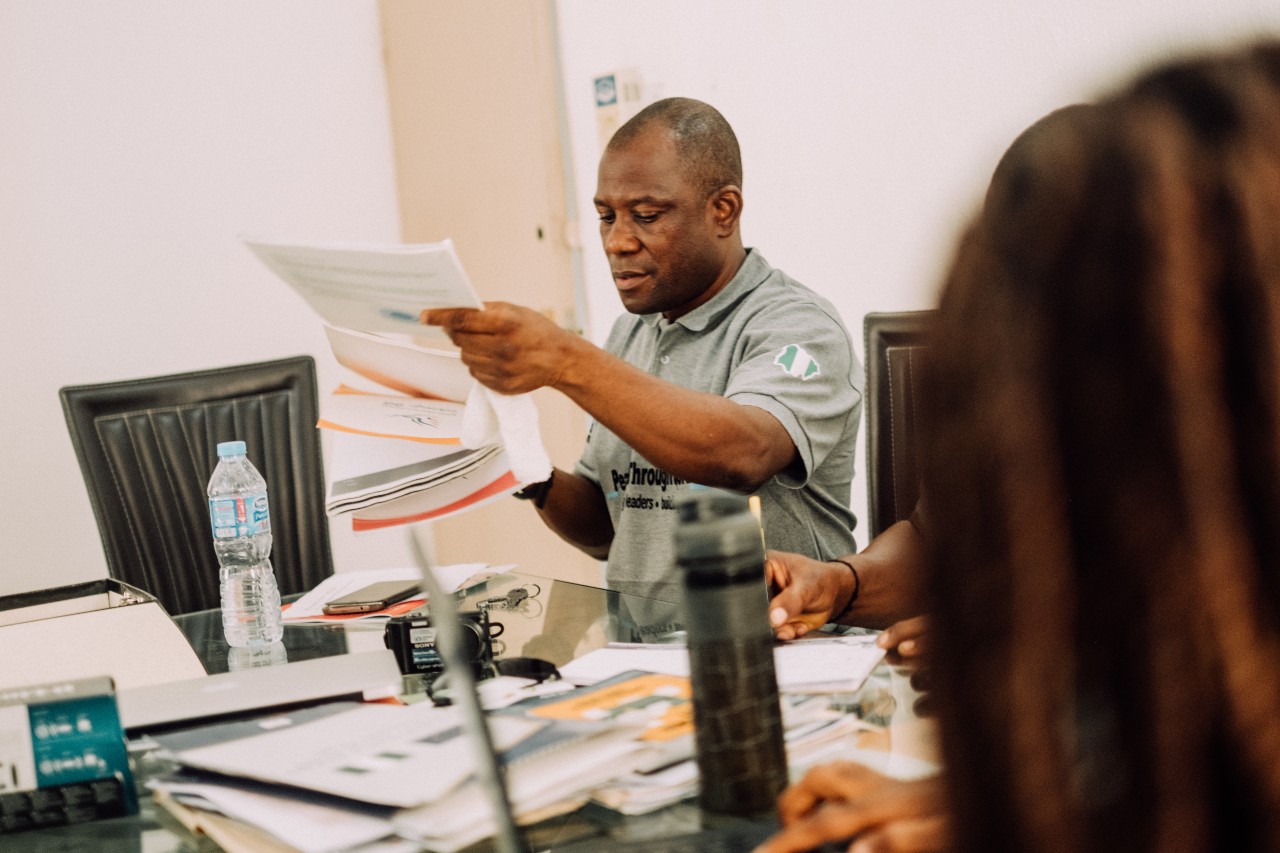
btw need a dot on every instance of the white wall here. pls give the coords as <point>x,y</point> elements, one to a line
<point>137,139</point>
<point>868,129</point>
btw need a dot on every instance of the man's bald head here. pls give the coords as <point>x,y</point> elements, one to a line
<point>705,141</point>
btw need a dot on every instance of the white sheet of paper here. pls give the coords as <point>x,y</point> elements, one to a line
<point>402,366</point>
<point>392,416</point>
<point>388,755</point>
<point>369,287</point>
<point>813,664</point>
<point>836,663</point>
<point>612,660</point>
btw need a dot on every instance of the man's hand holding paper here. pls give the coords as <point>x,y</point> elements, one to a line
<point>364,292</point>
<point>508,348</point>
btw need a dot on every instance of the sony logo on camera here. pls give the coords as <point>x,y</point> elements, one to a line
<point>412,639</point>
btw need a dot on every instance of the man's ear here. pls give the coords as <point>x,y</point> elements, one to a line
<point>725,205</point>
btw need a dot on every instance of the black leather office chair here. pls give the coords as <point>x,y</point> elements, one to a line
<point>147,448</point>
<point>893,345</point>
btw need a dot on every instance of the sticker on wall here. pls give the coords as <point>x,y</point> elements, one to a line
<point>618,96</point>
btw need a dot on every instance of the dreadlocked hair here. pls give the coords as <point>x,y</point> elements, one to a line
<point>1104,476</point>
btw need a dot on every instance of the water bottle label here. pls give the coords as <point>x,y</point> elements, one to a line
<point>239,516</point>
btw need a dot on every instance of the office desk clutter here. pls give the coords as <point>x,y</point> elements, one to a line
<point>423,441</point>
<point>371,772</point>
<point>375,776</point>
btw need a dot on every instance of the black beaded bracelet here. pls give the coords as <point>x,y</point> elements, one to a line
<point>857,585</point>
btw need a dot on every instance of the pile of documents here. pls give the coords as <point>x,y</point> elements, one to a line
<point>330,778</point>
<point>349,777</point>
<point>384,483</point>
<point>424,441</point>
<point>337,777</point>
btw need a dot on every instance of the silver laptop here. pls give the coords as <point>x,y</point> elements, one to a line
<point>371,675</point>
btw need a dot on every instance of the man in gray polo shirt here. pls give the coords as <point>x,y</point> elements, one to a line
<point>726,372</point>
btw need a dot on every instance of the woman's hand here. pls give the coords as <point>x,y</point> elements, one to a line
<point>847,801</point>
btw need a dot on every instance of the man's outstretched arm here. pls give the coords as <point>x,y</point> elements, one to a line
<point>704,438</point>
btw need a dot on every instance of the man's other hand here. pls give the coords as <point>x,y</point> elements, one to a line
<point>808,593</point>
<point>509,348</point>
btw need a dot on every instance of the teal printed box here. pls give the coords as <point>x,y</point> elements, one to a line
<point>62,755</point>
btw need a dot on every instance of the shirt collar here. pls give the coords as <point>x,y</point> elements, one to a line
<point>754,270</point>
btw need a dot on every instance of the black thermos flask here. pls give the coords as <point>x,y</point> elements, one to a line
<point>742,758</point>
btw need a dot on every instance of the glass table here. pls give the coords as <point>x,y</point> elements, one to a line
<point>556,622</point>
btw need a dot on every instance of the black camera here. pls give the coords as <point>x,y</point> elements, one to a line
<point>412,639</point>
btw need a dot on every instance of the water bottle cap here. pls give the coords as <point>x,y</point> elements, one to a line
<point>230,448</point>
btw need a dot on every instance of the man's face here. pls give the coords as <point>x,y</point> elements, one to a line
<point>657,226</point>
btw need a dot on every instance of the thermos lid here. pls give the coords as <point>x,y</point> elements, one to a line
<point>718,535</point>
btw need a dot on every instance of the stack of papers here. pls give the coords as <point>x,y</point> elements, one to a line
<point>312,824</point>
<point>551,773</point>
<point>386,755</point>
<point>385,483</point>
<point>374,776</point>
<point>812,730</point>
<point>323,780</point>
<point>364,774</point>
<point>404,451</point>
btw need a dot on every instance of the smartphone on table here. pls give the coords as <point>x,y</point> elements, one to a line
<point>373,597</point>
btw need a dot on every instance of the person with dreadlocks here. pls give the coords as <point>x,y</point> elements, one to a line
<point>1103,468</point>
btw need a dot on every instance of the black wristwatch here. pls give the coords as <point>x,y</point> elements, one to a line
<point>536,492</point>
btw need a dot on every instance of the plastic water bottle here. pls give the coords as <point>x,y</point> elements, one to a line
<point>250,657</point>
<point>241,521</point>
<point>738,738</point>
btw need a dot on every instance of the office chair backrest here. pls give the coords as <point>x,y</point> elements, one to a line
<point>147,448</point>
<point>893,344</point>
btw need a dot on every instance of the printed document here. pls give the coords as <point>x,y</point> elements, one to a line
<point>371,298</point>
<point>383,416</point>
<point>371,288</point>
<point>387,755</point>
<point>827,664</point>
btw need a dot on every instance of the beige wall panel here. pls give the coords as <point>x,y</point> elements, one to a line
<point>477,154</point>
